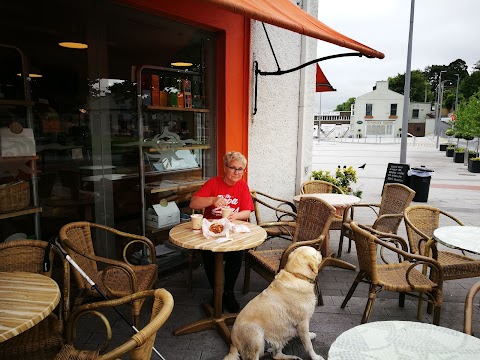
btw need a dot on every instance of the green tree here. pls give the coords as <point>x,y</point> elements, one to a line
<point>468,116</point>
<point>470,85</point>
<point>418,86</point>
<point>346,106</point>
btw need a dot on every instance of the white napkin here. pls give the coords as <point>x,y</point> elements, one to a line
<point>240,228</point>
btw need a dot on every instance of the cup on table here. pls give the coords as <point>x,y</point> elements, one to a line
<point>196,222</point>
<point>226,211</point>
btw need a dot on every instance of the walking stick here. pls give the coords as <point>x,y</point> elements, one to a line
<point>46,265</point>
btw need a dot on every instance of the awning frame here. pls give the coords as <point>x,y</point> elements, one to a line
<point>282,72</point>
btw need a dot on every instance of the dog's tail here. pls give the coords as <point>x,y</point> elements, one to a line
<point>233,354</point>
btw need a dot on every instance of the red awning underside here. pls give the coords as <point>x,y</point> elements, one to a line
<point>287,15</point>
<point>322,84</point>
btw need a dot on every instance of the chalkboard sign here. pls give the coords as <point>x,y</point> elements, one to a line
<point>397,173</point>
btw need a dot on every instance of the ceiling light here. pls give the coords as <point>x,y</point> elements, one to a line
<point>181,63</point>
<point>33,75</point>
<point>73,45</point>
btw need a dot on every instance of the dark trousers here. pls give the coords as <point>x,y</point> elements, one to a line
<point>233,264</point>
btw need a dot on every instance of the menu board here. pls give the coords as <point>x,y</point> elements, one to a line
<point>397,173</point>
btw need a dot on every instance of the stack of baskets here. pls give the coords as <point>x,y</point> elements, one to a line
<point>14,196</point>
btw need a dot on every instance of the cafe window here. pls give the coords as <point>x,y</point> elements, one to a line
<point>368,109</point>
<point>415,113</point>
<point>393,109</point>
<point>133,109</point>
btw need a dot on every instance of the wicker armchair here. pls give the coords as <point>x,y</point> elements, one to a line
<point>420,222</point>
<point>468,312</point>
<point>323,187</point>
<point>399,276</point>
<point>43,340</point>
<point>389,213</point>
<point>114,278</point>
<point>284,211</point>
<point>319,187</point>
<point>139,346</point>
<point>313,221</point>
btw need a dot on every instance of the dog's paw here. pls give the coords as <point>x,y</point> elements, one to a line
<point>312,335</point>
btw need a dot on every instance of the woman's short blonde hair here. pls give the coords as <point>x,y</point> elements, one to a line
<point>234,155</point>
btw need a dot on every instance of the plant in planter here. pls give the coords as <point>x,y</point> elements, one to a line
<point>343,178</point>
<point>459,154</point>
<point>458,135</point>
<point>472,154</point>
<point>450,150</point>
<point>450,132</point>
<point>474,165</point>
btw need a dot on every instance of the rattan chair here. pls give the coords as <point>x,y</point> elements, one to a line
<point>313,221</point>
<point>323,187</point>
<point>114,278</point>
<point>43,340</point>
<point>282,210</point>
<point>386,265</point>
<point>420,222</point>
<point>138,347</point>
<point>319,187</point>
<point>388,214</point>
<point>468,312</point>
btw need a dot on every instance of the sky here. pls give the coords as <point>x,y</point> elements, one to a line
<point>443,31</point>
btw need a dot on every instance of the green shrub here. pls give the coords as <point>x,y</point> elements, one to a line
<point>343,179</point>
<point>475,159</point>
<point>450,132</point>
<point>459,149</point>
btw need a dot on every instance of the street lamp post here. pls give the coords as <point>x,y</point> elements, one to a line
<point>442,86</point>
<point>456,93</point>
<point>438,107</point>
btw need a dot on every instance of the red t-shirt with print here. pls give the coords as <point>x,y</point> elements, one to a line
<point>238,196</point>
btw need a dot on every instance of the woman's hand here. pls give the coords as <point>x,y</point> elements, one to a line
<point>219,202</point>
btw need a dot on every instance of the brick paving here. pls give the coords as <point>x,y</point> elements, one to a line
<point>329,321</point>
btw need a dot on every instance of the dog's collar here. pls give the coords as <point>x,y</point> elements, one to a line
<point>303,277</point>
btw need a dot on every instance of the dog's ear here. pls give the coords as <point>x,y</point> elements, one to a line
<point>313,264</point>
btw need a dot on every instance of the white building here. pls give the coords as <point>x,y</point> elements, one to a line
<point>380,113</point>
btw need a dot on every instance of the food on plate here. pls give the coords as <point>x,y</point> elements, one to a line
<point>216,228</point>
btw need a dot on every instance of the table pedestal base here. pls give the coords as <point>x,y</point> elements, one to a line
<point>210,323</point>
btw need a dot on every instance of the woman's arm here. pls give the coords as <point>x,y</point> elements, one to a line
<point>241,215</point>
<point>199,202</point>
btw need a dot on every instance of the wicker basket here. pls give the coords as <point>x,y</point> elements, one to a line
<point>14,196</point>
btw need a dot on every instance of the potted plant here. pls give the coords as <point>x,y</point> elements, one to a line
<point>343,178</point>
<point>474,165</point>
<point>450,132</point>
<point>450,150</point>
<point>459,154</point>
<point>472,154</point>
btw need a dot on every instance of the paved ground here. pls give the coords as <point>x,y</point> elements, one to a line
<point>452,188</point>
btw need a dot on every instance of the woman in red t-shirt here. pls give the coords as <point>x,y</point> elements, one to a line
<point>232,191</point>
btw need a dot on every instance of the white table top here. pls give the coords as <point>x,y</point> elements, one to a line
<point>332,199</point>
<point>97,167</point>
<point>403,340</point>
<point>459,237</point>
<point>106,176</point>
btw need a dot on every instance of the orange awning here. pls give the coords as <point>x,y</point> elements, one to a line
<point>287,15</point>
<point>321,83</point>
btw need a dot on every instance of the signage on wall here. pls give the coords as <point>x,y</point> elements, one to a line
<point>397,173</point>
<point>359,122</point>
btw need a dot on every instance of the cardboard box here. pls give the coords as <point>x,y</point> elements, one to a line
<point>21,144</point>
<point>159,216</point>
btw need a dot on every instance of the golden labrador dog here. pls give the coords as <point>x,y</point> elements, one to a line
<point>280,312</point>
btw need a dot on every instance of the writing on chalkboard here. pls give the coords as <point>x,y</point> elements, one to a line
<point>397,173</point>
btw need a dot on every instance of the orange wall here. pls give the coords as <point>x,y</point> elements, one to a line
<point>233,64</point>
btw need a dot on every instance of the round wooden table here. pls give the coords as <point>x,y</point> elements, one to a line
<point>403,340</point>
<point>182,235</point>
<point>25,300</point>
<point>340,202</point>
